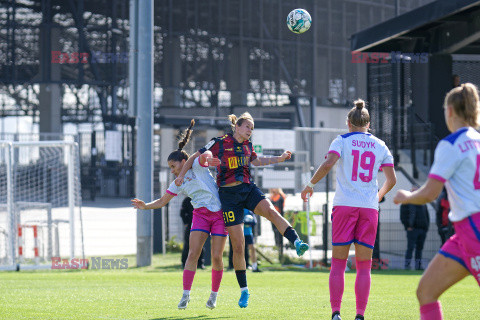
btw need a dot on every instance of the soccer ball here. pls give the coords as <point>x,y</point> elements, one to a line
<point>299,21</point>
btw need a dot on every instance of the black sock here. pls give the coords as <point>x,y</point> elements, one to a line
<point>290,234</point>
<point>241,278</point>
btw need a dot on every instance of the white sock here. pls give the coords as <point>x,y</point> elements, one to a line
<point>254,265</point>
<point>187,292</point>
<point>213,294</point>
<point>244,288</point>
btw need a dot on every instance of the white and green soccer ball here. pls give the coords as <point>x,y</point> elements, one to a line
<point>299,21</point>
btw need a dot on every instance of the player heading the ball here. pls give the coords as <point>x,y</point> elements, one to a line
<point>237,191</point>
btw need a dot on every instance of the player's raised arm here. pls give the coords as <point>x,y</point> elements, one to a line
<point>157,204</point>
<point>321,172</point>
<point>265,160</point>
<point>187,166</point>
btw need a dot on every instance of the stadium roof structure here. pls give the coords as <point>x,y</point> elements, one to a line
<point>440,27</point>
<point>208,53</point>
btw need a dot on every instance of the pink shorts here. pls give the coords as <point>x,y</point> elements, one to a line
<point>352,224</point>
<point>464,245</point>
<point>209,222</point>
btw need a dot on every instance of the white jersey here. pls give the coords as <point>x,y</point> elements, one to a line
<point>361,156</point>
<point>457,164</point>
<point>200,186</point>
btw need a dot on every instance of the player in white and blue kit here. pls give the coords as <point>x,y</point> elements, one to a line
<point>201,187</point>
<point>457,166</point>
<point>360,156</point>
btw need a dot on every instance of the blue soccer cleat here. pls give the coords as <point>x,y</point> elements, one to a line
<point>243,302</point>
<point>301,247</point>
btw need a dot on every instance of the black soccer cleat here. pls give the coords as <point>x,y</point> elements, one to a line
<point>336,315</point>
<point>359,317</point>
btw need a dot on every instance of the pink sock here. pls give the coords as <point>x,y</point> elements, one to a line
<point>362,284</point>
<point>336,283</point>
<point>431,311</point>
<point>188,279</point>
<point>216,279</point>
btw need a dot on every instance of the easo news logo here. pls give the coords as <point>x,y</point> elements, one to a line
<point>82,57</point>
<point>392,57</point>
<point>95,263</point>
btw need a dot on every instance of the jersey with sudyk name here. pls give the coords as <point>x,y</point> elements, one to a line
<point>362,155</point>
<point>457,164</point>
<point>200,186</point>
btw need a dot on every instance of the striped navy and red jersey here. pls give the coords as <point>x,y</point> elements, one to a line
<point>235,159</point>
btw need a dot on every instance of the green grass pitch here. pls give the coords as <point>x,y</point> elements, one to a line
<point>153,293</point>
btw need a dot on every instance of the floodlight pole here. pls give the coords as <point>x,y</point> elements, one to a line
<point>141,73</point>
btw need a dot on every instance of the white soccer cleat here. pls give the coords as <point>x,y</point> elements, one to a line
<point>184,301</point>
<point>212,301</point>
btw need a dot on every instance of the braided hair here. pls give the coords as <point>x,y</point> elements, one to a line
<point>180,154</point>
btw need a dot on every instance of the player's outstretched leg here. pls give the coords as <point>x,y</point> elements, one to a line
<point>266,209</point>
<point>300,246</point>
<point>243,302</point>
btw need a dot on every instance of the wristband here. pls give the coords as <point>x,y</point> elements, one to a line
<point>311,185</point>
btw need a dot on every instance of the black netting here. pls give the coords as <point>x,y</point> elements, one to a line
<point>469,71</point>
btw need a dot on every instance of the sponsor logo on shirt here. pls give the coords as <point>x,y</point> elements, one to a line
<point>235,162</point>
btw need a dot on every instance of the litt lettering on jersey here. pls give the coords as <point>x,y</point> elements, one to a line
<point>363,144</point>
<point>457,164</point>
<point>469,145</point>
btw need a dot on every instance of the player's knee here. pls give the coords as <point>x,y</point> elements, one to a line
<point>238,248</point>
<point>271,214</point>
<point>217,259</point>
<point>419,293</point>
<point>193,253</point>
<point>425,296</point>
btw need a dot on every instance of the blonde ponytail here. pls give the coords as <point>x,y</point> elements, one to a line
<point>238,121</point>
<point>358,116</point>
<point>466,103</point>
